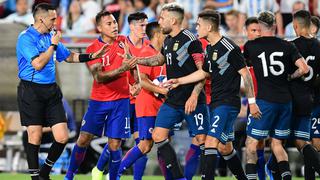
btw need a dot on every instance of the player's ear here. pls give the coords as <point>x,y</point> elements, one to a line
<point>99,28</point>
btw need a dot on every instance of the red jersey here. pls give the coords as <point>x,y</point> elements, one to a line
<point>119,87</point>
<point>207,86</point>
<point>147,104</point>
<point>135,52</point>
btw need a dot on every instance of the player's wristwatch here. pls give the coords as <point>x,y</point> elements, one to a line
<point>54,46</point>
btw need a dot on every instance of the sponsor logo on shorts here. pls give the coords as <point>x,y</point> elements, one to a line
<point>150,130</point>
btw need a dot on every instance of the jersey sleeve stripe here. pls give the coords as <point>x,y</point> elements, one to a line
<point>190,35</point>
<point>227,44</point>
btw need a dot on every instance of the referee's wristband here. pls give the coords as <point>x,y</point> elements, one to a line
<point>252,100</point>
<point>85,57</point>
<point>54,46</point>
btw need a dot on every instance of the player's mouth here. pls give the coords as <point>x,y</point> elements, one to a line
<point>115,31</point>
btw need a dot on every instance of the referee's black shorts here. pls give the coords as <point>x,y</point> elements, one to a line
<point>40,104</point>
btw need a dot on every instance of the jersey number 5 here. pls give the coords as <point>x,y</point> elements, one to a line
<point>273,63</point>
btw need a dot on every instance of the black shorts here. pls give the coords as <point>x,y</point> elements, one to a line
<point>40,104</point>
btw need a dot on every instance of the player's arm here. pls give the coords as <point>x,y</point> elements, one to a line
<point>147,84</point>
<point>156,60</point>
<point>84,57</point>
<point>107,76</point>
<point>302,68</point>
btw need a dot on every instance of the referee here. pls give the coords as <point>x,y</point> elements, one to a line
<point>39,97</point>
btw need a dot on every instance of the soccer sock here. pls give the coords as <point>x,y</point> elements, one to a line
<point>251,171</point>
<point>131,156</point>
<point>284,170</point>
<point>192,161</point>
<point>309,172</point>
<point>104,158</point>
<point>272,164</point>
<point>33,160</point>
<point>170,158</point>
<point>210,161</point>
<point>77,156</point>
<point>202,159</point>
<point>165,171</point>
<point>140,165</point>
<point>235,165</point>
<point>312,156</point>
<point>55,151</point>
<point>260,164</point>
<point>114,164</point>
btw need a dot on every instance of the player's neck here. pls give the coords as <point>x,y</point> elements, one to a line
<point>305,33</point>
<point>267,33</point>
<point>214,37</point>
<point>107,39</point>
<point>155,43</point>
<point>137,42</point>
<point>175,31</point>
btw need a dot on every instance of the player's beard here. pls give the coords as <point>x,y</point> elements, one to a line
<point>166,30</point>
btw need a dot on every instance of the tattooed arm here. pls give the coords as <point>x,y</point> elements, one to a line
<point>156,60</point>
<point>254,109</point>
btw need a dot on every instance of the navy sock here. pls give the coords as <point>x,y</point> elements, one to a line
<point>192,161</point>
<point>77,156</point>
<point>114,164</point>
<point>104,158</point>
<point>260,164</point>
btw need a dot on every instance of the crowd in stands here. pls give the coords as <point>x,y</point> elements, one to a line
<point>76,17</point>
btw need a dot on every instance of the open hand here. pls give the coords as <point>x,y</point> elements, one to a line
<point>101,52</point>
<point>255,111</point>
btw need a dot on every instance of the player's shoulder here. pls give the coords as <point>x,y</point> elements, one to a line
<point>121,38</point>
<point>96,43</point>
<point>229,44</point>
<point>148,51</point>
<point>188,35</point>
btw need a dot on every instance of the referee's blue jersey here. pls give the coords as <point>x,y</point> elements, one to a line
<point>29,46</point>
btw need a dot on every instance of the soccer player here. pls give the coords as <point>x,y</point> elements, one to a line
<point>108,108</point>
<point>183,55</point>
<point>148,100</point>
<point>39,96</point>
<point>225,64</point>
<point>136,42</point>
<point>272,59</point>
<point>302,91</point>
<point>315,115</point>
<point>253,31</point>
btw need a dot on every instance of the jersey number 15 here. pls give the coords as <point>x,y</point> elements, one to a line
<point>273,63</point>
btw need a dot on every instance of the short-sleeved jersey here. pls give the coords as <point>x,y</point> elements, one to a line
<point>135,51</point>
<point>178,52</point>
<point>147,104</point>
<point>223,61</point>
<point>309,49</point>
<point>272,59</point>
<point>30,45</point>
<point>207,85</point>
<point>117,88</point>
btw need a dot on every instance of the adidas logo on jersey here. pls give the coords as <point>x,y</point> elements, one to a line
<point>213,130</point>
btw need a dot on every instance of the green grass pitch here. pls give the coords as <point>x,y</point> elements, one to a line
<point>7,176</point>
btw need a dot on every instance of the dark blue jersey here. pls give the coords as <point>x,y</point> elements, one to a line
<point>223,61</point>
<point>178,52</point>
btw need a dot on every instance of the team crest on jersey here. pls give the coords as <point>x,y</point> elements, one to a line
<point>121,45</point>
<point>175,46</point>
<point>215,56</point>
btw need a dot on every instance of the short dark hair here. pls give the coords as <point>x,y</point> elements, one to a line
<point>174,7</point>
<point>267,18</point>
<point>251,20</point>
<point>152,28</point>
<point>41,7</point>
<point>303,17</point>
<point>146,2</point>
<point>102,14</point>
<point>212,16</point>
<point>137,16</point>
<point>316,21</point>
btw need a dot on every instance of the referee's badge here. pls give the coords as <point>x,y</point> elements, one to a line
<point>175,46</point>
<point>214,55</point>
